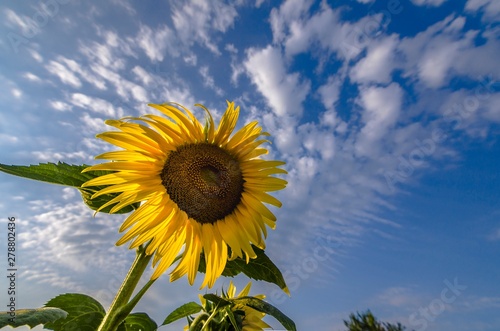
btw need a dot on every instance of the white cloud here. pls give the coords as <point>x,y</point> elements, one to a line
<point>155,43</point>
<point>65,75</point>
<point>161,89</point>
<point>479,61</point>
<point>8,139</point>
<point>284,130</point>
<point>124,87</point>
<point>471,110</point>
<point>434,55</point>
<point>178,94</point>
<point>102,54</point>
<point>65,240</point>
<point>284,92</point>
<point>317,142</point>
<point>289,11</point>
<point>300,31</point>
<point>330,91</point>
<point>17,93</point>
<point>191,59</point>
<point>143,76</point>
<point>231,49</point>
<point>209,81</point>
<point>69,71</point>
<point>50,155</point>
<point>434,66</point>
<point>258,3</point>
<point>490,109</point>
<point>85,74</point>
<point>28,27</point>
<point>491,8</point>
<point>97,105</point>
<point>381,109</point>
<point>329,94</point>
<point>195,21</point>
<point>433,3</point>
<point>31,77</point>
<point>93,124</point>
<point>36,56</point>
<point>68,193</point>
<point>236,68</point>
<point>323,27</point>
<point>378,64</point>
<point>60,105</point>
<point>126,6</point>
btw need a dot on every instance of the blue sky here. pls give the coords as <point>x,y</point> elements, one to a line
<point>385,111</point>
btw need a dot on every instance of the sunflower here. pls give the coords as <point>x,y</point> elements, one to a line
<point>249,318</point>
<point>252,320</point>
<point>201,189</point>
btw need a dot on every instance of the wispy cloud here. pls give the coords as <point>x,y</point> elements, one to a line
<point>490,8</point>
<point>196,21</point>
<point>64,73</point>
<point>284,92</point>
<point>433,3</point>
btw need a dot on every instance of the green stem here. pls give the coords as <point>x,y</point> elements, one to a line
<point>120,306</point>
<point>197,322</point>
<point>207,322</point>
<point>129,306</point>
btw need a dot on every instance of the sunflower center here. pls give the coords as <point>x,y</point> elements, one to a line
<point>204,180</point>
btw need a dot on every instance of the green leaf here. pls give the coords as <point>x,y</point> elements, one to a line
<point>84,312</point>
<point>139,322</point>
<point>69,175</point>
<point>232,319</point>
<point>267,308</point>
<point>185,310</point>
<point>60,173</point>
<point>221,302</point>
<point>260,268</point>
<point>31,317</point>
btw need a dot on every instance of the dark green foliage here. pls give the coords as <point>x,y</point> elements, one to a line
<point>69,175</point>
<point>367,322</point>
<point>84,312</point>
<point>32,317</point>
<point>260,268</point>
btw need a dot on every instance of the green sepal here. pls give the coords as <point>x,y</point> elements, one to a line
<point>84,312</point>
<point>68,175</point>
<point>138,322</point>
<point>219,301</point>
<point>255,303</point>
<point>260,268</point>
<point>268,309</point>
<point>31,317</point>
<point>232,318</point>
<point>185,310</point>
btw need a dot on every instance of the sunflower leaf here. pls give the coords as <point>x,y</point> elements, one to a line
<point>31,317</point>
<point>232,319</point>
<point>221,302</point>
<point>266,308</point>
<point>185,310</point>
<point>139,322</point>
<point>260,268</point>
<point>84,312</point>
<point>69,175</point>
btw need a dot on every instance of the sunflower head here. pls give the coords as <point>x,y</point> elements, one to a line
<point>245,317</point>
<point>201,188</point>
<point>251,319</point>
